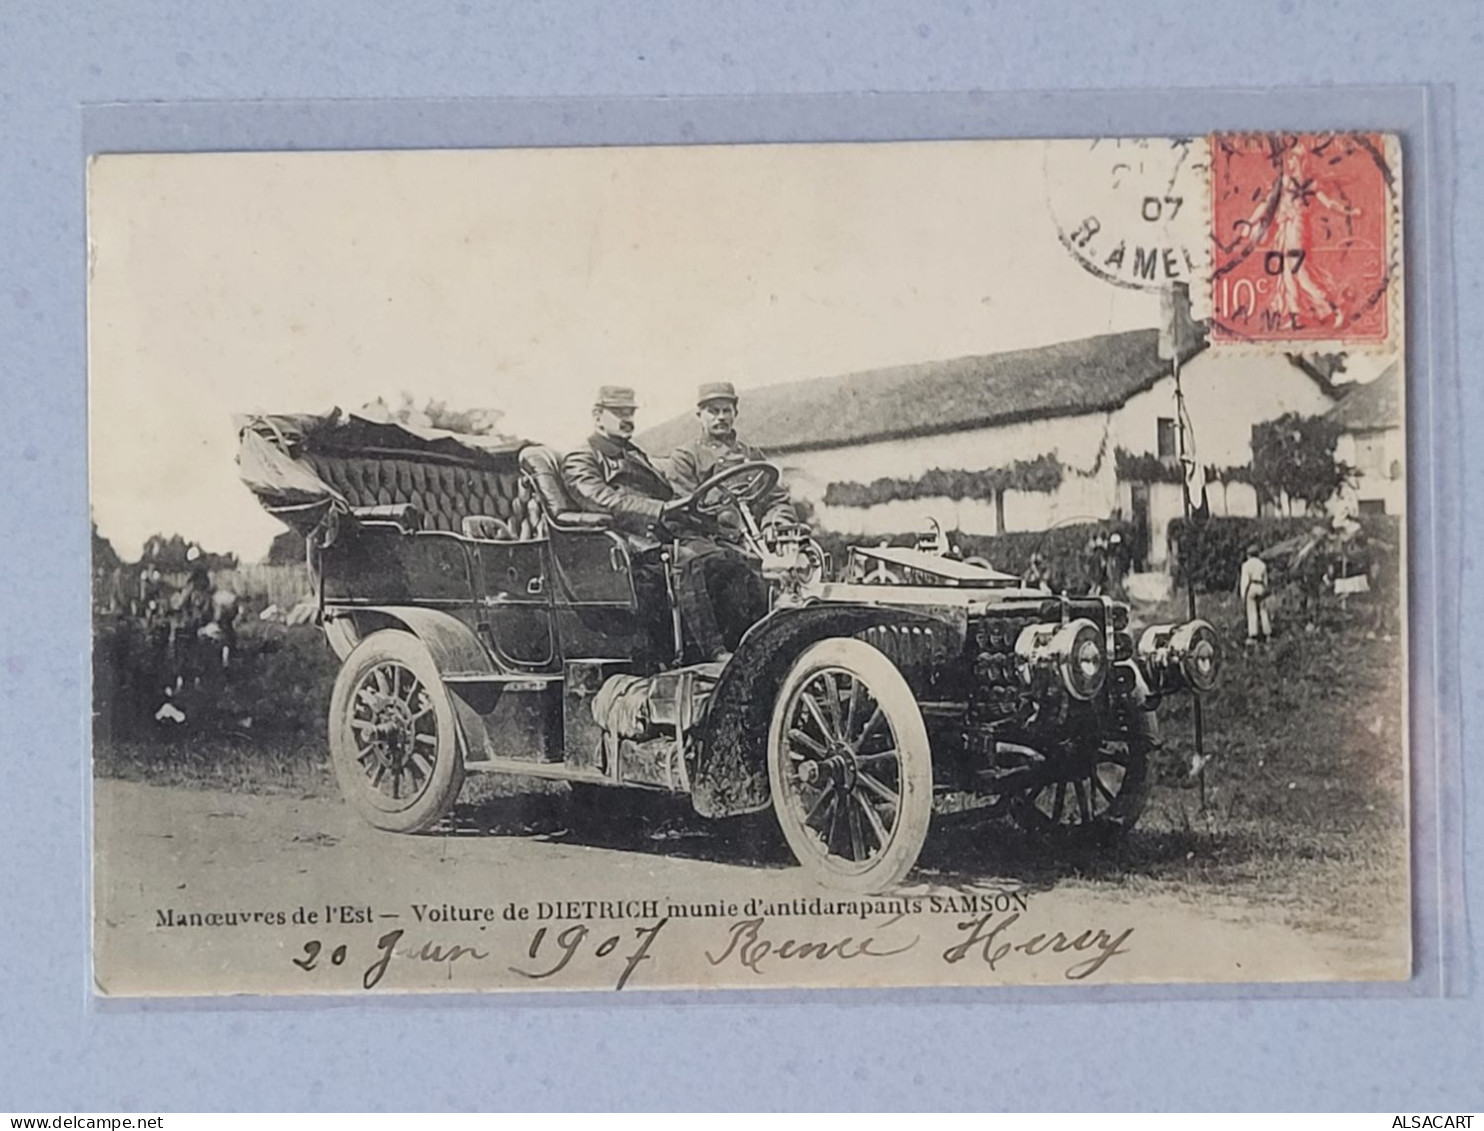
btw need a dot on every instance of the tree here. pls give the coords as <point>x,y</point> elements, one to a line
<point>108,579</point>
<point>105,557</point>
<point>437,414</point>
<point>1293,457</point>
<point>468,421</point>
<point>172,554</point>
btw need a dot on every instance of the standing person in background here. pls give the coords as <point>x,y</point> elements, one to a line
<point>1115,565</point>
<point>1095,564</point>
<point>192,637</point>
<point>155,597</point>
<point>224,608</point>
<point>1252,588</point>
<point>1037,576</point>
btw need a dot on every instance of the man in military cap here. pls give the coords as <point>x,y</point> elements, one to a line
<point>715,449</point>
<point>718,448</point>
<point>610,475</point>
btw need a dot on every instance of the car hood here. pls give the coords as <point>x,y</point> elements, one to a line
<point>920,596</point>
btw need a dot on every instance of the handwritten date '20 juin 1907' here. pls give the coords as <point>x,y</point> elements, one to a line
<point>753,936</point>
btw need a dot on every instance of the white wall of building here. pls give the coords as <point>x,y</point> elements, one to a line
<point>1226,395</point>
<point>1235,499</point>
<point>1074,440</point>
<point>1080,442</point>
<point>1380,455</point>
<point>1166,503</point>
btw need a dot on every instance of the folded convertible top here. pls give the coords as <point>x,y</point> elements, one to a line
<point>273,449</point>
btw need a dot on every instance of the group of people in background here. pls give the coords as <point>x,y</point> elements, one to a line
<point>191,625</point>
<point>1105,564</point>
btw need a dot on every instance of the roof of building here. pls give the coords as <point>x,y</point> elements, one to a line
<point>1376,404</point>
<point>1066,379</point>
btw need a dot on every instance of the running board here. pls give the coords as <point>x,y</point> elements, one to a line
<point>506,681</point>
<point>558,771</point>
<point>555,771</point>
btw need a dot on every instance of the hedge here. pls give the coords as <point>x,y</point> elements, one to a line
<point>1212,552</point>
<point>1064,549</point>
<point>1044,473</point>
<point>1145,467</point>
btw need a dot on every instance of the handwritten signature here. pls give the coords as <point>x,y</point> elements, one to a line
<point>747,945</point>
<point>996,944</point>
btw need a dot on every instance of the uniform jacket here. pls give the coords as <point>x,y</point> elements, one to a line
<point>694,463</point>
<point>613,477</point>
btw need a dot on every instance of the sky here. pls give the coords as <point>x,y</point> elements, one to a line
<point>520,280</point>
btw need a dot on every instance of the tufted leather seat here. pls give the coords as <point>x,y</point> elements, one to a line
<point>444,494</point>
<point>542,468</point>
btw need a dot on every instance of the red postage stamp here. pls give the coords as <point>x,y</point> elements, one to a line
<point>1302,240</point>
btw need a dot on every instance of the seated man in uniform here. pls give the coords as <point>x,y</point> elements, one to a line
<point>609,475</point>
<point>717,448</point>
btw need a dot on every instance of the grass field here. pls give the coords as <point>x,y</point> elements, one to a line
<point>259,728</point>
<point>1304,796</point>
<point>1306,791</point>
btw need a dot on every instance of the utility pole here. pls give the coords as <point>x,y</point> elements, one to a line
<point>1178,333</point>
<point>1196,710</point>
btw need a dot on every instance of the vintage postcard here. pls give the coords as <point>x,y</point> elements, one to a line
<point>837,565</point>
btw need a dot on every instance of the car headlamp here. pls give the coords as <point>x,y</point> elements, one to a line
<point>1186,654</point>
<point>1074,651</point>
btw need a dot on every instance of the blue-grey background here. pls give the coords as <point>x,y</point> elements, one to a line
<point>60,1051</point>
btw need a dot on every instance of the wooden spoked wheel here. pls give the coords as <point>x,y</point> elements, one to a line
<point>850,766</point>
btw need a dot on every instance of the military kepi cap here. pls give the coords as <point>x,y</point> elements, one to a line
<point>716,391</point>
<point>615,396</point>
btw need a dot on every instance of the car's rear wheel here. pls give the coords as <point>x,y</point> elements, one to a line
<point>1095,793</point>
<point>850,767</point>
<point>393,738</point>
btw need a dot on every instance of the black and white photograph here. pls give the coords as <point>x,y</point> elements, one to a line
<point>953,563</point>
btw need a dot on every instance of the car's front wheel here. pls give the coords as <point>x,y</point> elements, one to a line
<point>393,740</point>
<point>850,767</point>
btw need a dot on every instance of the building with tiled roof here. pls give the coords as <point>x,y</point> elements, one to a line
<point>1020,440</point>
<point>1373,441</point>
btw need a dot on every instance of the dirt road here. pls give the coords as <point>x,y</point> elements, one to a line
<point>210,892</point>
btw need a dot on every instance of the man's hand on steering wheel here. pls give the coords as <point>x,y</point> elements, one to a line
<point>677,517</point>
<point>729,489</point>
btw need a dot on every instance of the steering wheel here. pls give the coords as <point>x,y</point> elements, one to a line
<point>732,487</point>
<point>880,573</point>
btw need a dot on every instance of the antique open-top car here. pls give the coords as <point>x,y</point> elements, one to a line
<point>486,623</point>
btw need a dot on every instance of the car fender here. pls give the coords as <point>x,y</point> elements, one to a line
<point>730,775</point>
<point>462,661</point>
<point>455,647</point>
